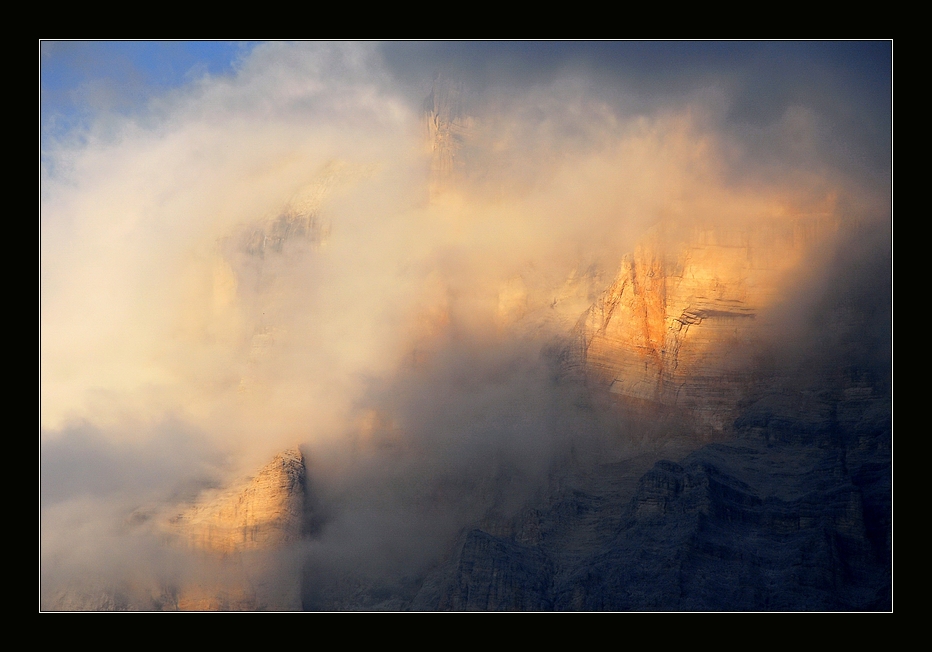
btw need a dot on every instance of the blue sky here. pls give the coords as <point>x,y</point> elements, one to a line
<point>80,76</point>
<point>79,79</point>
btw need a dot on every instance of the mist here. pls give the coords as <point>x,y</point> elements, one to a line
<point>273,256</point>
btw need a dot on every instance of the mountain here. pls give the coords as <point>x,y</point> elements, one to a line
<point>763,480</point>
<point>707,426</point>
<point>262,512</point>
<point>689,309</point>
<point>237,532</point>
<point>788,508</point>
<point>232,544</point>
<point>750,524</point>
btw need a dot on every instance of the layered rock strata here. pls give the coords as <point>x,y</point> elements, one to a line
<point>687,311</point>
<point>229,551</point>
<point>239,538</point>
<point>767,522</point>
<point>263,512</point>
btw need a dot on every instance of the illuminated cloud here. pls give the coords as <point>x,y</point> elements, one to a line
<point>279,254</point>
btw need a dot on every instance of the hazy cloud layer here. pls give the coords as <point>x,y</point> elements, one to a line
<point>256,260</point>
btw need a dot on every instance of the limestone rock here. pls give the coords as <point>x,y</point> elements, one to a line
<point>262,512</point>
<point>687,311</point>
<point>448,126</point>
<point>738,526</point>
<point>493,574</point>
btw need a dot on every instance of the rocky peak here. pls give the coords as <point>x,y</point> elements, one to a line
<point>686,311</point>
<point>261,512</point>
<point>448,125</point>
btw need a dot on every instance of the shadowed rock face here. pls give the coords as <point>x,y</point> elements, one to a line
<point>716,533</point>
<point>747,525</point>
<point>491,573</point>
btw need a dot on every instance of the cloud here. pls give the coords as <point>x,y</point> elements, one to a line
<point>262,259</point>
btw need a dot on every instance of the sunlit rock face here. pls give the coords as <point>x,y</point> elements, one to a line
<point>238,536</point>
<point>263,512</point>
<point>687,311</point>
<point>233,549</point>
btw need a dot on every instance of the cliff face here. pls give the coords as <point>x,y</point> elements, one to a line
<point>686,313</point>
<point>263,512</point>
<point>238,537</point>
<point>792,514</point>
<point>232,550</point>
<point>448,126</point>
